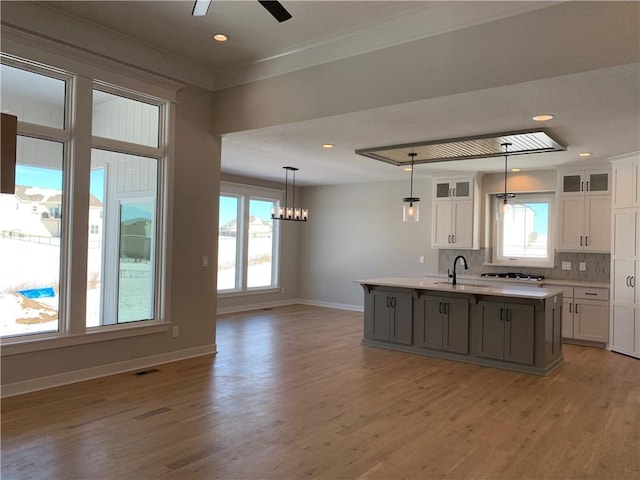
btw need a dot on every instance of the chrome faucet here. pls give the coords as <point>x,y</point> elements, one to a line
<point>466,267</point>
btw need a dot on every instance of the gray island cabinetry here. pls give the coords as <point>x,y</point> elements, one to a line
<point>514,328</point>
<point>442,323</point>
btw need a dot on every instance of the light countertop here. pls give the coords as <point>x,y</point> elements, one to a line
<point>525,283</point>
<point>463,287</point>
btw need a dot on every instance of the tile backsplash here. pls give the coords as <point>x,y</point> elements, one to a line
<point>598,265</point>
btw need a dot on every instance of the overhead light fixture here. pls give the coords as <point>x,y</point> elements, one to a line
<point>328,145</point>
<point>220,37</point>
<point>505,196</point>
<point>200,8</point>
<point>410,205</point>
<point>286,212</point>
<point>543,118</point>
<point>515,169</point>
<point>584,154</point>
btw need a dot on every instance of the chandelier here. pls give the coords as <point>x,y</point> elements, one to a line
<point>286,212</point>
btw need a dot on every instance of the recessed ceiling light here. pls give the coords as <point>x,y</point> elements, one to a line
<point>328,145</point>
<point>584,154</point>
<point>220,37</point>
<point>407,169</point>
<point>515,169</point>
<point>542,118</point>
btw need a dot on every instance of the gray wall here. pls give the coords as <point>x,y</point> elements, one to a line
<point>356,231</point>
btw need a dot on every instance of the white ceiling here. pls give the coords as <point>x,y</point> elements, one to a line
<point>596,111</point>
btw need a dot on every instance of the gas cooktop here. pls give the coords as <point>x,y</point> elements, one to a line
<point>514,275</point>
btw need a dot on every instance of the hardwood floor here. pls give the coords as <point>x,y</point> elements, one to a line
<point>293,394</point>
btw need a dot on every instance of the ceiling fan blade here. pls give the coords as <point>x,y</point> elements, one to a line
<point>200,8</point>
<point>276,9</point>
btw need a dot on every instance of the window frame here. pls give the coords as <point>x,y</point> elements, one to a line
<point>244,194</point>
<point>77,140</point>
<point>497,258</point>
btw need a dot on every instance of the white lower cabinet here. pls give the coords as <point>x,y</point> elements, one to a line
<point>585,314</point>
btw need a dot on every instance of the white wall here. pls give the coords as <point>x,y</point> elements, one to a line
<point>355,232</point>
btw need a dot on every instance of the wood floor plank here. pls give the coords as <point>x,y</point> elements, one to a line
<point>293,394</point>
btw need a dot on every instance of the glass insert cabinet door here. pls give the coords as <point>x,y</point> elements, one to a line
<point>581,182</point>
<point>453,188</point>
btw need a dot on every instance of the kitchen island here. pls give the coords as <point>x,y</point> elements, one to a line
<point>510,327</point>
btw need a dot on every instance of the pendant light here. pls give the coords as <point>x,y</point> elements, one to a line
<point>292,212</point>
<point>505,196</point>
<point>410,206</point>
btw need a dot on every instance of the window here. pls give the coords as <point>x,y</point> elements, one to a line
<point>122,205</point>
<point>523,231</point>
<point>247,239</point>
<point>125,230</point>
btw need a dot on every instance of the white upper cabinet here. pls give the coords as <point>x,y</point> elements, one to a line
<point>461,188</point>
<point>626,180</point>
<point>455,216</point>
<point>590,182</point>
<point>584,217</point>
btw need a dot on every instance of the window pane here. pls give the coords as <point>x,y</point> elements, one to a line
<point>227,242</point>
<point>122,219</point>
<point>135,289</point>
<point>124,119</point>
<point>525,230</point>
<point>260,253</point>
<point>30,237</point>
<point>32,97</point>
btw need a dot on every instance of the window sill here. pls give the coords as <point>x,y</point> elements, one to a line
<point>247,293</point>
<point>26,345</point>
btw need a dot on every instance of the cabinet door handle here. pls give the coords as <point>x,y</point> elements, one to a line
<point>587,189</point>
<point>628,281</point>
<point>508,315</point>
<point>633,282</point>
<point>449,238</point>
<point>454,191</point>
<point>590,293</point>
<point>582,186</point>
<point>393,302</point>
<point>440,307</point>
<point>501,314</point>
<point>580,240</point>
<point>586,241</point>
<point>576,308</point>
<point>446,308</point>
<point>571,303</point>
<point>453,238</point>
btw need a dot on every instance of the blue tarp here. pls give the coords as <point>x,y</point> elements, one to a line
<point>38,292</point>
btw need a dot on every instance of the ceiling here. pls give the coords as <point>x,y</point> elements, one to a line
<point>596,111</point>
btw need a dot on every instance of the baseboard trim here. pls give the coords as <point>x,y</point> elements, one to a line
<point>295,301</point>
<point>339,306</point>
<point>256,306</point>
<point>42,383</point>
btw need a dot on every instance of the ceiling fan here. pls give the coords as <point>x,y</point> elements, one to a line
<point>275,8</point>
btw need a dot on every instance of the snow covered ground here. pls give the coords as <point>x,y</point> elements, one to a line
<point>28,265</point>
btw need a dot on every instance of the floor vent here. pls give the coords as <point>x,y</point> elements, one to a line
<point>145,372</point>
